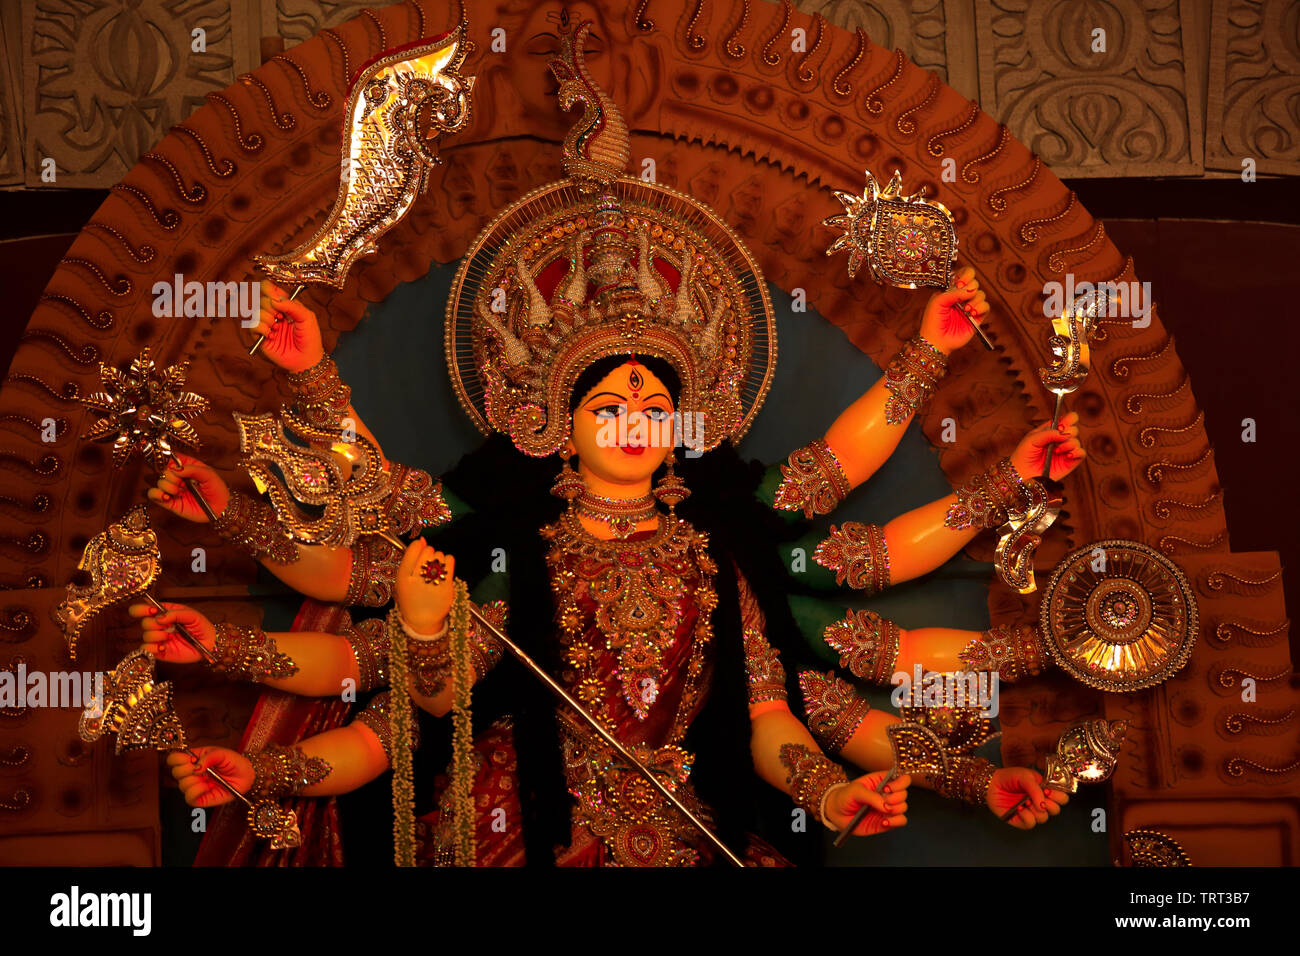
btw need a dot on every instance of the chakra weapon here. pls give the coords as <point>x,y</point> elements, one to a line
<point>1071,351</point>
<point>908,242</point>
<point>138,709</point>
<point>121,561</point>
<point>145,410</point>
<point>353,505</point>
<point>398,107</point>
<point>1087,752</point>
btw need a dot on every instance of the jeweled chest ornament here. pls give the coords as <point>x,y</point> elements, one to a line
<point>908,242</point>
<point>137,708</point>
<point>398,107</point>
<point>1119,616</point>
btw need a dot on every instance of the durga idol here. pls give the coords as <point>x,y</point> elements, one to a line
<point>615,339</point>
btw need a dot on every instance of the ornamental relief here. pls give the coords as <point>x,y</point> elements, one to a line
<point>1097,89</point>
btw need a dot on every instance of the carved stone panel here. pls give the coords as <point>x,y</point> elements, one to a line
<point>1254,90</point>
<point>102,84</point>
<point>1095,89</point>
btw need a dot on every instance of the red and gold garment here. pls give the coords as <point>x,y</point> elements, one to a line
<point>633,618</point>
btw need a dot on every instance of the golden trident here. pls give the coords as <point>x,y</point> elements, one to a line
<point>398,107</point>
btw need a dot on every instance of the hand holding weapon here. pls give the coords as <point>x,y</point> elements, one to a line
<point>908,242</point>
<point>397,110</point>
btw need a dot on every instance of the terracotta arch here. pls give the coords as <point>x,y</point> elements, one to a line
<point>715,96</point>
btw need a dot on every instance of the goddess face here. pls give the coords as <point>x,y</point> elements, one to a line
<point>623,427</point>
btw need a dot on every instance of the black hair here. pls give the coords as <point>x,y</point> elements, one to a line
<point>509,494</point>
<point>598,369</point>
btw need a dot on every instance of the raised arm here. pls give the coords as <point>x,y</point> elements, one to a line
<point>872,557</point>
<point>866,433</point>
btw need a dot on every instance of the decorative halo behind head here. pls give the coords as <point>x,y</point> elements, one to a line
<point>601,264</point>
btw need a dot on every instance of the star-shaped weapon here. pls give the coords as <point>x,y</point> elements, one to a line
<point>137,707</point>
<point>145,411</point>
<point>397,109</point>
<point>908,242</point>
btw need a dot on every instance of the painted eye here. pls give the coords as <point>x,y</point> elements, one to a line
<point>609,411</point>
<point>658,414</point>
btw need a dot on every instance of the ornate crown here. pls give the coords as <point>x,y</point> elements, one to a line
<point>601,264</point>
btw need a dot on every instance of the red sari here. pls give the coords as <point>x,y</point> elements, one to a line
<point>633,618</point>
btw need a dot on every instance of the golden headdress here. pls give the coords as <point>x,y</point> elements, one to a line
<point>597,264</point>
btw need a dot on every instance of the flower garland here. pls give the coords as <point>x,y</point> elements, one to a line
<point>462,741</point>
<point>399,723</point>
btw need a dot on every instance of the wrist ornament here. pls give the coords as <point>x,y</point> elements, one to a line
<point>252,526</point>
<point>912,377</point>
<point>810,777</point>
<point>377,715</point>
<point>280,772</point>
<point>249,653</point>
<point>967,780</point>
<point>867,644</point>
<point>374,568</point>
<point>320,395</point>
<point>986,500</point>
<point>369,643</point>
<point>1013,650</point>
<point>812,481</point>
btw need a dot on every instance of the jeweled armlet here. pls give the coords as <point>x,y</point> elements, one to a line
<point>376,716</point>
<point>369,643</point>
<point>320,395</point>
<point>252,526</point>
<point>374,568</point>
<point>249,653</point>
<point>911,378</point>
<point>1013,650</point>
<point>764,668</point>
<point>867,644</point>
<point>858,554</point>
<point>833,708</point>
<point>280,772</point>
<point>809,776</point>
<point>812,481</point>
<point>985,500</point>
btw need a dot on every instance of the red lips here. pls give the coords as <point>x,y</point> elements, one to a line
<point>633,449</point>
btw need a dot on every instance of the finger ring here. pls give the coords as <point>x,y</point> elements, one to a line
<point>434,571</point>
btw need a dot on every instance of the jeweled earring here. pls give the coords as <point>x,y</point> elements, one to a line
<point>671,489</point>
<point>568,484</point>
